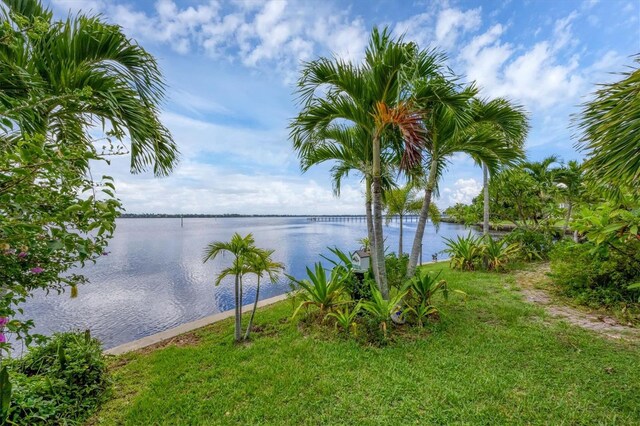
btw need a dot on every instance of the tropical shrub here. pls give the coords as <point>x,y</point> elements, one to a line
<point>381,309</point>
<point>345,317</point>
<point>358,285</point>
<point>465,252</point>
<point>533,243</point>
<point>59,382</point>
<point>497,253</point>
<point>396,269</point>
<point>423,286</point>
<point>596,277</point>
<point>420,291</point>
<point>322,290</point>
<point>422,312</point>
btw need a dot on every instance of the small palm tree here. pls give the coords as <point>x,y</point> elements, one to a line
<point>572,190</point>
<point>261,264</point>
<point>400,202</point>
<point>243,250</point>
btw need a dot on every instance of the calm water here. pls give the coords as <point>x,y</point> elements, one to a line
<point>153,277</point>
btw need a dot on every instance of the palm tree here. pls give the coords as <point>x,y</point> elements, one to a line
<point>544,175</point>
<point>373,97</point>
<point>456,123</point>
<point>243,250</point>
<point>570,182</point>
<point>261,264</point>
<point>400,202</point>
<point>501,119</point>
<point>349,149</point>
<point>610,124</point>
<point>73,76</point>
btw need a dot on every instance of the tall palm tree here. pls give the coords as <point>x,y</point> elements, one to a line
<point>243,250</point>
<point>371,96</point>
<point>75,75</point>
<point>261,264</point>
<point>502,120</point>
<point>456,123</point>
<point>350,150</point>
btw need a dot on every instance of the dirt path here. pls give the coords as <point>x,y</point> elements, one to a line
<point>532,282</point>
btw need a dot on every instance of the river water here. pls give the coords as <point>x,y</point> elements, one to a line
<point>153,278</point>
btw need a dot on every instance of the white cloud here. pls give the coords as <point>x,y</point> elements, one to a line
<point>275,32</point>
<point>451,22</point>
<point>463,191</point>
<point>417,28</point>
<point>535,76</point>
<point>205,188</point>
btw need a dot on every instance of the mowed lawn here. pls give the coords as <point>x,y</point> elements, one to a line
<point>491,359</point>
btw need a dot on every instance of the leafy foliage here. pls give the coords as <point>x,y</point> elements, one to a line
<point>598,277</point>
<point>397,269</point>
<point>320,290</point>
<point>477,252</point>
<point>610,124</point>
<point>465,252</point>
<point>497,253</point>
<point>345,317</point>
<point>382,309</point>
<point>59,382</point>
<point>605,269</point>
<point>533,244</point>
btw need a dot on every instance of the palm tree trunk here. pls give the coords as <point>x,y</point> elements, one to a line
<point>485,180</point>
<point>370,233</point>
<point>377,220</point>
<point>566,223</point>
<point>253,312</point>
<point>238,333</point>
<point>575,237</point>
<point>422,219</point>
<point>400,243</point>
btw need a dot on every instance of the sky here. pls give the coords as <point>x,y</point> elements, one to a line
<point>231,68</point>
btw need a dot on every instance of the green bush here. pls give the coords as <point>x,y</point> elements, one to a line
<point>465,252</point>
<point>358,286</point>
<point>535,244</point>
<point>396,267</point>
<point>595,276</point>
<point>59,382</point>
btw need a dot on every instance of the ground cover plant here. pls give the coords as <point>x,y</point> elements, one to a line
<point>491,359</point>
<point>59,382</point>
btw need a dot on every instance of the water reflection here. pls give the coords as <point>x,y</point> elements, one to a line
<point>154,279</point>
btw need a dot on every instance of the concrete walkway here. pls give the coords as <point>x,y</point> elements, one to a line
<point>185,328</point>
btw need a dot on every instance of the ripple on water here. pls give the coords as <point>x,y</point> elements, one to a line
<point>154,279</point>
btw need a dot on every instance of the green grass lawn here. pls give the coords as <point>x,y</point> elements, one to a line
<point>492,359</point>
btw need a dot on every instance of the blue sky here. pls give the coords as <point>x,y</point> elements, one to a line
<point>231,67</point>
